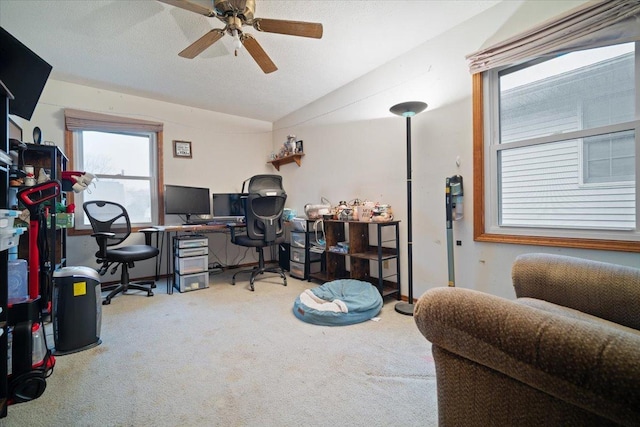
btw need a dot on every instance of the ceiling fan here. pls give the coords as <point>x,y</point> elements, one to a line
<point>237,14</point>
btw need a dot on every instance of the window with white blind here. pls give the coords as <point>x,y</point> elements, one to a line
<point>557,131</point>
<point>564,152</point>
<point>123,154</point>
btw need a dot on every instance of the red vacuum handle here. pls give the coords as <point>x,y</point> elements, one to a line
<point>39,193</point>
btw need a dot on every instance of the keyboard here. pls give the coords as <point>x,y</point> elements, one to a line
<point>197,222</point>
<point>222,223</point>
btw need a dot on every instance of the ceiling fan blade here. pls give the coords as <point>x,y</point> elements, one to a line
<point>192,7</point>
<point>197,47</point>
<point>258,54</point>
<point>292,28</point>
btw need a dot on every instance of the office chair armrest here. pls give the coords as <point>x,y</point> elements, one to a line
<point>233,228</point>
<point>148,232</point>
<point>102,237</point>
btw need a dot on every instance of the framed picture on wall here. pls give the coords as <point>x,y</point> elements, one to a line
<point>182,149</point>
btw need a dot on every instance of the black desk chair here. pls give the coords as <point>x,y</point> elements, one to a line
<point>264,226</point>
<point>111,226</point>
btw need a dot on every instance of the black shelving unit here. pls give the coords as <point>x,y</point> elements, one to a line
<point>368,252</point>
<point>5,95</point>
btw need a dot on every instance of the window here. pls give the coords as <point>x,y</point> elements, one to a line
<point>123,155</point>
<point>558,151</point>
<point>123,165</point>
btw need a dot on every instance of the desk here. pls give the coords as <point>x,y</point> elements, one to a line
<point>168,229</point>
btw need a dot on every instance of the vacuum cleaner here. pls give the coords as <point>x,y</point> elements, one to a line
<point>453,204</point>
<point>31,361</point>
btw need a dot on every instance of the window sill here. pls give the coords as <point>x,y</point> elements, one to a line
<point>604,245</point>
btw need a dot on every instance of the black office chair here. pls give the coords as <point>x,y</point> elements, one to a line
<point>264,226</point>
<point>111,226</point>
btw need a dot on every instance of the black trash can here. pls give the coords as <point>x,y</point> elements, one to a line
<point>77,309</point>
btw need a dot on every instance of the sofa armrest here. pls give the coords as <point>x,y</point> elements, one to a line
<point>587,365</point>
<point>601,289</point>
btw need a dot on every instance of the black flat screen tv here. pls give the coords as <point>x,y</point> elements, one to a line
<point>182,200</point>
<point>23,72</point>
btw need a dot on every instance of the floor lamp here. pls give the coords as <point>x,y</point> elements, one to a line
<point>408,110</point>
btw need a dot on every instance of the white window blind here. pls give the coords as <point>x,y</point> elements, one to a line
<point>78,120</point>
<point>594,24</point>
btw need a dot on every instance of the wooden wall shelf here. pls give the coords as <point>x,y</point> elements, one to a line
<point>287,159</point>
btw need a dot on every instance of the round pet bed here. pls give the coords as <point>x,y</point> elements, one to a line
<point>340,302</point>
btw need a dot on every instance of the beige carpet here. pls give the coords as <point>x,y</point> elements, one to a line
<point>226,356</point>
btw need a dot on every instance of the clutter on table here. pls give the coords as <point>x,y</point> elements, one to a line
<point>354,210</point>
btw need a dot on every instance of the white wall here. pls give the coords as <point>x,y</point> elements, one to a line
<point>226,151</point>
<point>355,148</point>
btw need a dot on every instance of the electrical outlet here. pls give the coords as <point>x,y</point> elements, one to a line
<point>385,264</point>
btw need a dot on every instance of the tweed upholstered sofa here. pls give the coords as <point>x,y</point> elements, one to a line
<point>566,352</point>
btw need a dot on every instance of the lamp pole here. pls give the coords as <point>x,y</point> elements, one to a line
<point>408,110</point>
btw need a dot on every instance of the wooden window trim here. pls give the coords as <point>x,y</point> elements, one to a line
<point>479,228</point>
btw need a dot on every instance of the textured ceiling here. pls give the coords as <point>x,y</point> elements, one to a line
<point>132,47</point>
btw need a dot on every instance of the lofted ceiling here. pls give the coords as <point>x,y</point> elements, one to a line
<point>132,46</point>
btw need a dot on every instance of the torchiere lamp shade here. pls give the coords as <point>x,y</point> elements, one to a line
<point>408,109</point>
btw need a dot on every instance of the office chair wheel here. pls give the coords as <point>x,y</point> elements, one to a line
<point>106,301</point>
<point>149,293</point>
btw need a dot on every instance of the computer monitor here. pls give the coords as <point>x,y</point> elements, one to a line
<point>228,205</point>
<point>23,72</point>
<point>183,200</point>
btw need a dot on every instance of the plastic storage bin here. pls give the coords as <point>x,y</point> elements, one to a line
<point>18,287</point>
<point>191,282</point>
<point>299,224</point>
<point>77,309</point>
<point>297,255</point>
<point>7,218</point>
<point>192,252</point>
<point>196,264</point>
<point>192,241</point>
<point>297,239</point>
<point>297,269</point>
<point>10,237</point>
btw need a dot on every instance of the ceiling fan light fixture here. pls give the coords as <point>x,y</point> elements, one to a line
<point>237,44</point>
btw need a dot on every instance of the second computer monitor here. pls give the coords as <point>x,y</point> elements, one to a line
<point>228,205</point>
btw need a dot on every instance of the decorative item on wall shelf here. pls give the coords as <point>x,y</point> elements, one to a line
<point>291,151</point>
<point>37,135</point>
<point>182,149</point>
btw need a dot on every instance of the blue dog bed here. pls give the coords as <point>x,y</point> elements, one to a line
<point>340,302</point>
